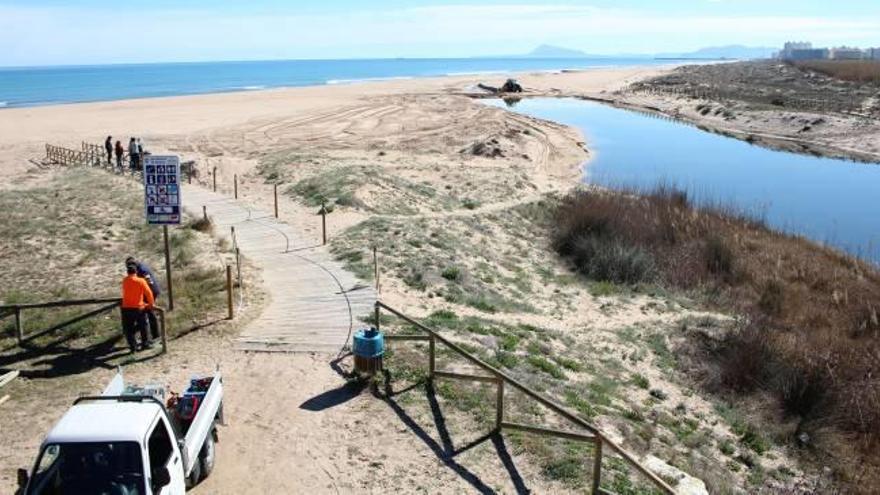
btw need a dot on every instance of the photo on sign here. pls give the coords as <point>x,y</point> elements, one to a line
<point>172,179</point>
<point>152,199</point>
<point>151,190</point>
<point>160,169</point>
<point>151,179</point>
<point>163,189</point>
<point>150,170</point>
<point>160,179</point>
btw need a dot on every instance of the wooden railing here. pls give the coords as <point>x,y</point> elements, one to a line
<point>91,155</point>
<point>500,379</point>
<point>17,310</point>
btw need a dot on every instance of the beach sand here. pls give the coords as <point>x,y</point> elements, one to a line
<point>451,183</point>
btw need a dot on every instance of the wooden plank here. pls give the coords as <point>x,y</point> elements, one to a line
<point>57,304</point>
<point>570,435</point>
<point>8,377</point>
<point>461,376</point>
<point>71,321</point>
<point>407,337</point>
<point>4,399</point>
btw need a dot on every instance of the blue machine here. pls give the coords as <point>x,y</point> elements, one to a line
<point>368,343</point>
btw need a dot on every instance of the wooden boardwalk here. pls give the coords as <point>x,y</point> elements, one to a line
<point>314,302</point>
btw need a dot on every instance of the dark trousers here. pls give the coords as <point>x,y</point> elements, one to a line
<point>109,156</point>
<point>119,162</point>
<point>154,324</point>
<point>134,321</point>
<point>134,161</point>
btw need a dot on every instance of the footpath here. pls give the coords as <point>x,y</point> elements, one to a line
<point>315,303</point>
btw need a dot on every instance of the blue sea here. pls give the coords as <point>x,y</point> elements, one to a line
<point>31,86</point>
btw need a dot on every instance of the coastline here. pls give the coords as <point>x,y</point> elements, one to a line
<point>25,130</point>
<point>456,188</point>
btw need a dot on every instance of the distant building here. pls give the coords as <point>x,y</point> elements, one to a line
<point>802,50</point>
<point>847,53</point>
<point>872,53</point>
<point>797,45</point>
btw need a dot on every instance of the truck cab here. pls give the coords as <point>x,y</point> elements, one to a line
<point>129,444</point>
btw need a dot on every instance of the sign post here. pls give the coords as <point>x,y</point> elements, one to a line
<point>162,202</point>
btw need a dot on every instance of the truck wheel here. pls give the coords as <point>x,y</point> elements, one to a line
<point>207,456</point>
<point>195,475</point>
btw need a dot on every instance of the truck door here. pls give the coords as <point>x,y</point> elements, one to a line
<point>163,452</point>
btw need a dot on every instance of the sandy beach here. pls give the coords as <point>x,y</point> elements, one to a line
<point>452,188</point>
<point>23,131</point>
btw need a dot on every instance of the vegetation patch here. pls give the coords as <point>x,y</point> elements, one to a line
<point>808,338</point>
<point>69,240</point>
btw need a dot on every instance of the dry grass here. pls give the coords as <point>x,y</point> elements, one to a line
<point>811,338</point>
<point>68,238</point>
<point>862,71</point>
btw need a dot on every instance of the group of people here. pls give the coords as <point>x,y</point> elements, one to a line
<point>140,289</point>
<point>135,153</point>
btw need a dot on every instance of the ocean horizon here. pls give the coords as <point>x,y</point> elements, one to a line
<point>52,85</point>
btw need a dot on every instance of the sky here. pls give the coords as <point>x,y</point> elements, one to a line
<point>75,32</point>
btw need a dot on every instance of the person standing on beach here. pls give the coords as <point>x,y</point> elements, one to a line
<point>144,272</point>
<point>133,155</point>
<point>108,145</point>
<point>119,152</point>
<point>141,153</point>
<point>136,297</point>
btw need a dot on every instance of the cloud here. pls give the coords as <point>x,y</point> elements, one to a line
<point>42,35</point>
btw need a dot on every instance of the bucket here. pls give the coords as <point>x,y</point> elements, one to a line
<point>368,343</point>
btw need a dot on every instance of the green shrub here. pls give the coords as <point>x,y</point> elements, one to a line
<point>546,366</point>
<point>608,259</point>
<point>451,273</point>
<point>719,256</point>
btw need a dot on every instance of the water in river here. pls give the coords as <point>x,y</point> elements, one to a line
<point>831,201</point>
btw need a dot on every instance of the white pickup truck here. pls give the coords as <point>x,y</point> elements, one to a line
<point>128,441</point>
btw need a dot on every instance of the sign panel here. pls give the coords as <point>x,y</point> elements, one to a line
<point>162,189</point>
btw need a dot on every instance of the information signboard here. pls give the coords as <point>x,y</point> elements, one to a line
<point>162,189</point>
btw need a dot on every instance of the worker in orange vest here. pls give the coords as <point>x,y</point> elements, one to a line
<point>136,298</point>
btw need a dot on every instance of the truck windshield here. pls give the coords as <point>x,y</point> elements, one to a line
<point>101,468</point>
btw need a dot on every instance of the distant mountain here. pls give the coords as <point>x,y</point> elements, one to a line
<point>550,51</point>
<point>731,51</point>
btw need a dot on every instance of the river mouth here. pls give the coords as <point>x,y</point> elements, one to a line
<point>831,201</point>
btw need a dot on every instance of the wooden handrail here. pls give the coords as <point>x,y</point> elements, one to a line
<point>57,304</point>
<point>109,304</point>
<point>548,403</point>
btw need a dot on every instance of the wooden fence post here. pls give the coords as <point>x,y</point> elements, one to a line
<point>376,267</point>
<point>229,289</point>
<point>214,174</point>
<point>205,213</point>
<point>19,329</point>
<point>431,359</point>
<point>235,185</point>
<point>499,405</point>
<point>276,200</point>
<point>377,317</point>
<point>323,223</point>
<point>164,331</point>
<point>597,466</point>
<point>238,266</point>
